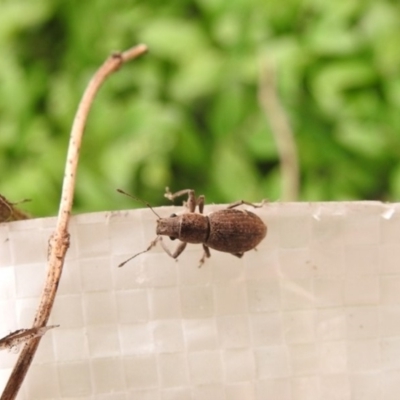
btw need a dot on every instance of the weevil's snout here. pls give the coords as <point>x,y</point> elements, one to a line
<point>169,226</point>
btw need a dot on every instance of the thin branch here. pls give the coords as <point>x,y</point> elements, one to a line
<point>59,242</point>
<point>282,132</point>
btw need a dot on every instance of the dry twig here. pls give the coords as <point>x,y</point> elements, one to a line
<point>282,132</point>
<point>60,239</point>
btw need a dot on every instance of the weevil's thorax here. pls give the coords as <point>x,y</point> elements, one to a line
<point>188,227</point>
<point>195,228</point>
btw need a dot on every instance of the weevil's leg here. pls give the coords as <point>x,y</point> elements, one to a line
<point>240,202</point>
<point>151,245</point>
<point>239,255</point>
<point>177,251</point>
<point>200,202</point>
<point>172,196</point>
<point>206,254</point>
<point>191,201</point>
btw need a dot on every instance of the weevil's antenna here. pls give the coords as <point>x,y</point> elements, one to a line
<point>131,258</point>
<point>140,200</point>
<point>152,244</point>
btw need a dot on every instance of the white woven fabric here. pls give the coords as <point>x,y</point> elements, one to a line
<point>314,313</point>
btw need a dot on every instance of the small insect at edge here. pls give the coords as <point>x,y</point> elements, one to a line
<point>230,230</point>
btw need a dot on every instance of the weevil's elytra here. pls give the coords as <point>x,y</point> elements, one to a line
<point>235,231</point>
<point>230,231</point>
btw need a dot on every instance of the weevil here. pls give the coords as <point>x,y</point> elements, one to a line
<point>230,230</point>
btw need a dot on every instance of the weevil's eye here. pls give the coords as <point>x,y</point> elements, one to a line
<point>173,215</point>
<point>172,237</point>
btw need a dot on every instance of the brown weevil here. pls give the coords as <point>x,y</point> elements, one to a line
<point>229,230</point>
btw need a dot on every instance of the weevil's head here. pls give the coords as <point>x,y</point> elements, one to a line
<point>169,226</point>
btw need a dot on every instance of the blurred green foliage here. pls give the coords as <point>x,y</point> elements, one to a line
<point>187,114</point>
